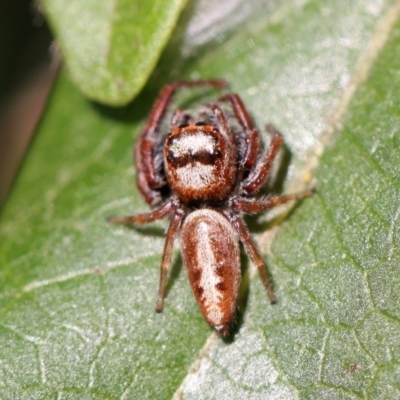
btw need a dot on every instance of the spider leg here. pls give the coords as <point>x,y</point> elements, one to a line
<point>173,228</point>
<point>222,120</point>
<point>252,251</point>
<point>230,147</point>
<point>254,206</point>
<point>252,136</point>
<point>170,207</point>
<point>262,169</point>
<point>148,179</point>
<point>145,218</point>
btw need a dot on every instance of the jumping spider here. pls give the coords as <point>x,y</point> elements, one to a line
<point>203,174</point>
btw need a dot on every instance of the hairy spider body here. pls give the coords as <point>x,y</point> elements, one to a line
<point>200,163</point>
<point>210,252</point>
<point>203,174</point>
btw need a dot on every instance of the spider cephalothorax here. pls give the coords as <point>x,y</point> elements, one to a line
<point>200,163</point>
<point>203,173</point>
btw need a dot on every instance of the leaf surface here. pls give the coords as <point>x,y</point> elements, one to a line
<point>77,296</point>
<point>112,46</point>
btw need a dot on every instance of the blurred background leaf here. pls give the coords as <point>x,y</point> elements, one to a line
<point>112,46</point>
<point>77,296</point>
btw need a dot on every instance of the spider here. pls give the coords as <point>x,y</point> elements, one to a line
<point>203,175</point>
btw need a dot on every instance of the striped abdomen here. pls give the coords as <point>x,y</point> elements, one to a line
<point>210,251</point>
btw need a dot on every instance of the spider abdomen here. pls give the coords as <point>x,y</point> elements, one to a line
<point>210,251</point>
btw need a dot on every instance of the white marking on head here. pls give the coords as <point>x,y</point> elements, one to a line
<point>192,143</point>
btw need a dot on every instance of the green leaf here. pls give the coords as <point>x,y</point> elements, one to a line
<point>77,296</point>
<point>112,46</point>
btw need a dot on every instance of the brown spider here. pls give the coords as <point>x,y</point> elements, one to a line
<point>203,174</point>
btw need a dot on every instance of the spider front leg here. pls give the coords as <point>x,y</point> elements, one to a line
<point>258,177</point>
<point>148,179</point>
<point>262,169</point>
<point>252,136</point>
